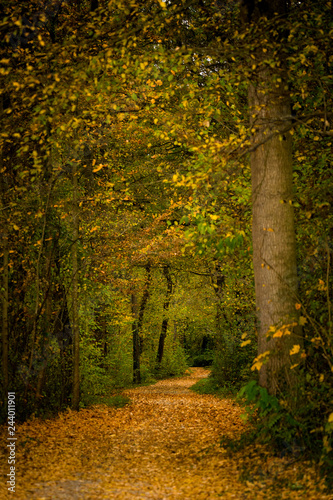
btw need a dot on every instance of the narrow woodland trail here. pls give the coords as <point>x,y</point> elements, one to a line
<point>165,445</point>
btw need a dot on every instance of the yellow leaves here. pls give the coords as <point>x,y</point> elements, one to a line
<point>284,330</point>
<point>260,361</point>
<point>280,331</point>
<point>298,306</point>
<point>295,350</point>
<point>99,167</point>
<point>321,286</point>
<point>183,429</point>
<point>41,41</point>
<point>245,342</point>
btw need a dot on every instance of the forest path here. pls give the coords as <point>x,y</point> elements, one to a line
<point>165,445</point>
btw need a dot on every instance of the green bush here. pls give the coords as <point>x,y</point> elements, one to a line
<point>173,364</point>
<point>116,401</point>
<point>210,386</point>
<point>232,363</point>
<point>119,362</point>
<point>273,422</point>
<point>204,359</point>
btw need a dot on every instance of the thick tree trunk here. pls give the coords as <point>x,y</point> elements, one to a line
<point>164,328</point>
<point>75,311</point>
<point>274,244</point>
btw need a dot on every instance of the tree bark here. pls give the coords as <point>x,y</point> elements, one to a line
<point>137,326</point>
<point>5,314</point>
<point>136,341</point>
<point>143,304</point>
<point>273,233</point>
<point>164,328</point>
<point>75,311</point>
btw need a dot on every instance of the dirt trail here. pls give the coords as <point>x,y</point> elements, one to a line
<point>165,445</point>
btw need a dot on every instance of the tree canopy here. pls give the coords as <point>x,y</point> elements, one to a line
<point>166,199</point>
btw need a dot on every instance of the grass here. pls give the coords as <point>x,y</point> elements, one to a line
<point>210,386</point>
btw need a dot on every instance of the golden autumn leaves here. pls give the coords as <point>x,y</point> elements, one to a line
<point>165,444</point>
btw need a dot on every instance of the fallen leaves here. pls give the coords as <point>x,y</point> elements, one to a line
<point>165,445</point>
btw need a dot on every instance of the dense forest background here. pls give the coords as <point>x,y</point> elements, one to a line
<point>166,201</point>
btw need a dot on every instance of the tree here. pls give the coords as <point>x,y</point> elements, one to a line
<point>75,282</point>
<point>274,242</point>
<point>166,304</point>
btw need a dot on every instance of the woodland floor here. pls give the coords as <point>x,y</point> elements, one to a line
<point>165,445</point>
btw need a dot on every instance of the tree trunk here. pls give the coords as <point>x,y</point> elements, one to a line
<point>274,244</point>
<point>136,342</point>
<point>137,326</point>
<point>164,328</point>
<point>218,282</point>
<point>75,311</point>
<point>5,315</point>
<point>48,316</point>
<point>143,304</point>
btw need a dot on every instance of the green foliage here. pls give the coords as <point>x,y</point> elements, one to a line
<point>274,424</point>
<point>95,380</point>
<point>232,362</point>
<point>118,361</point>
<point>174,363</point>
<point>204,359</point>
<point>116,401</point>
<point>210,386</point>
<point>294,429</point>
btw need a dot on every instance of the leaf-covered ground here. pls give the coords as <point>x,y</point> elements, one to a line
<point>165,445</point>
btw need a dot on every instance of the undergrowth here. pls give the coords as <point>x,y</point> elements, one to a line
<point>116,400</point>
<point>210,386</point>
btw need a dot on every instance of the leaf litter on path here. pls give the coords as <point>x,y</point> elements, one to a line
<point>165,445</point>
